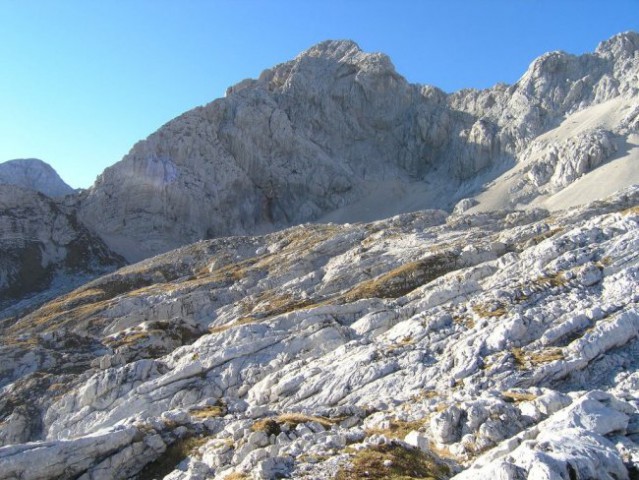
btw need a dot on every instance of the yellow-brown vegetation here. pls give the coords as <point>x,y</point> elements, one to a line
<point>397,428</point>
<point>405,278</point>
<point>208,411</point>
<point>493,310</point>
<point>174,454</point>
<point>394,462</point>
<point>273,425</point>
<point>516,397</point>
<point>527,359</point>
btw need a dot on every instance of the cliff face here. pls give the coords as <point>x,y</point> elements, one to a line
<point>330,128</point>
<point>338,135</point>
<point>43,244</point>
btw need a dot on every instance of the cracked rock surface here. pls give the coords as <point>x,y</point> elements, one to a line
<point>475,345</point>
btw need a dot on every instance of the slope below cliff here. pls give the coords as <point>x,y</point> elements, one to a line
<point>499,341</point>
<point>44,249</point>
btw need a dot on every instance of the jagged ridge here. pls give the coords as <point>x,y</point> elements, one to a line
<point>338,127</point>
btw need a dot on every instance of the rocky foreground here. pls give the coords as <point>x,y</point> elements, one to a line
<point>472,346</point>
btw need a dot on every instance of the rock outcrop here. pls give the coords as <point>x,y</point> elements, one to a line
<point>43,246</point>
<point>337,127</point>
<point>35,175</point>
<point>499,341</point>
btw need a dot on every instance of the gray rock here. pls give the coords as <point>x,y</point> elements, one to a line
<point>508,337</point>
<point>336,128</point>
<point>34,174</point>
<point>43,245</point>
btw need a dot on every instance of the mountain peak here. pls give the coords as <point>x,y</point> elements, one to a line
<point>336,49</point>
<point>620,45</point>
<point>34,174</point>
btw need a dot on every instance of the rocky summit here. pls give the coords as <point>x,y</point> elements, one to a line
<point>464,305</point>
<point>337,134</point>
<point>35,175</point>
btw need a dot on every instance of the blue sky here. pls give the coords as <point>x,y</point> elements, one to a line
<point>82,81</point>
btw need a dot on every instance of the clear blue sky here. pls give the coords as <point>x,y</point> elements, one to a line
<point>82,80</point>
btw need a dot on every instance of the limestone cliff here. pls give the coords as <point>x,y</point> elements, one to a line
<point>42,245</point>
<point>333,127</point>
<point>500,341</point>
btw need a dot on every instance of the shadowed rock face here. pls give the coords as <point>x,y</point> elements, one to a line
<point>318,133</point>
<point>34,174</point>
<point>41,241</point>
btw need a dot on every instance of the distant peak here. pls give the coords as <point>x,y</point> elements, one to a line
<point>29,162</point>
<point>622,44</point>
<point>34,174</point>
<point>333,49</point>
<point>548,63</point>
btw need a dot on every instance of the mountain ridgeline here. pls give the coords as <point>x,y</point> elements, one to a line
<point>334,128</point>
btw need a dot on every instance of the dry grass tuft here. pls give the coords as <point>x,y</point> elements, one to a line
<point>209,411</point>
<point>237,476</point>
<point>231,273</point>
<point>400,344</point>
<point>174,454</point>
<point>294,419</point>
<point>425,395</point>
<point>604,262</point>
<point>130,338</point>
<point>525,359</point>
<point>267,425</point>
<point>546,235</point>
<point>555,280</point>
<point>220,328</point>
<point>271,303</point>
<point>516,397</point>
<point>464,320</point>
<point>405,278</point>
<point>394,462</point>
<point>492,310</point>
<point>397,428</point>
<point>272,426</point>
